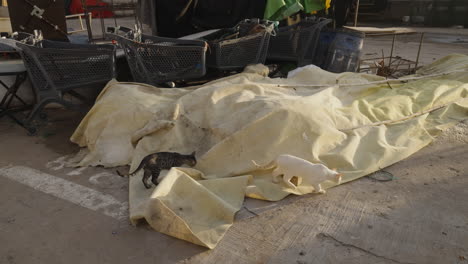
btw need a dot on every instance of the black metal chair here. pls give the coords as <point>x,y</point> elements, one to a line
<point>297,43</point>
<point>248,47</point>
<point>56,68</point>
<point>155,60</point>
<point>13,66</point>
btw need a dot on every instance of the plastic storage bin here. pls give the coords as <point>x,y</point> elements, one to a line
<point>297,43</point>
<point>237,53</point>
<point>344,52</point>
<point>155,60</point>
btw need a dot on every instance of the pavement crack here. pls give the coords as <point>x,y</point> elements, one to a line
<point>323,235</point>
<point>250,211</point>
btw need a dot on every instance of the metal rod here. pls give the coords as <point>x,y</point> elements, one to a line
<point>81,22</point>
<point>419,50</point>
<point>113,13</point>
<point>154,18</point>
<point>356,13</point>
<point>135,17</point>
<point>88,21</point>
<point>103,28</point>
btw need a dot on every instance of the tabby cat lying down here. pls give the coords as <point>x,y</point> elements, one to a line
<point>154,163</point>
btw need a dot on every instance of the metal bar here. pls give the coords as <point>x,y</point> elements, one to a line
<point>356,13</point>
<point>88,21</point>
<point>113,15</point>
<point>20,78</point>
<point>135,13</point>
<point>7,93</point>
<point>81,23</point>
<point>154,19</point>
<point>12,91</point>
<point>75,15</point>
<point>419,50</point>
<point>103,27</point>
<point>379,58</point>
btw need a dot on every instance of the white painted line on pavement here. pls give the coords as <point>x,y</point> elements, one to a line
<point>66,190</point>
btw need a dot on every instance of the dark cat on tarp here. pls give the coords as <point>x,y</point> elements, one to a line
<point>154,163</point>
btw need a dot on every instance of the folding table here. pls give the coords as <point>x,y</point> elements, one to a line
<point>15,68</point>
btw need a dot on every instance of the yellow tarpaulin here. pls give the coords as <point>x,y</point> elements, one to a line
<point>356,123</point>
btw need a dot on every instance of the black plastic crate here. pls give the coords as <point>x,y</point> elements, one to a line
<point>56,68</point>
<point>54,65</point>
<point>239,52</point>
<point>122,36</point>
<point>154,60</point>
<point>297,43</point>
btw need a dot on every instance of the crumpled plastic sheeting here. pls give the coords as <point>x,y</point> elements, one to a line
<point>358,129</point>
<point>183,194</point>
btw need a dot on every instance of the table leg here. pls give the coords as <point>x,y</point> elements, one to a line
<point>8,98</point>
<point>11,93</point>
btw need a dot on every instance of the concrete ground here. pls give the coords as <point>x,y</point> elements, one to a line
<point>53,214</point>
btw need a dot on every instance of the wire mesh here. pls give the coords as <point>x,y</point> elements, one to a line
<point>297,43</point>
<point>155,60</point>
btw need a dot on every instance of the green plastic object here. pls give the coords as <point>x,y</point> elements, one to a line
<point>280,9</point>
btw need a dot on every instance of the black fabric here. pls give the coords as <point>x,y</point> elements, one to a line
<point>208,14</point>
<point>341,10</point>
<point>211,14</point>
<point>167,12</point>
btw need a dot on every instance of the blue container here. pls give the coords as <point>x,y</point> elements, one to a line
<point>325,41</point>
<point>344,51</point>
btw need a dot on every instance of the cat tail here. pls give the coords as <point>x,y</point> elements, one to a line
<point>126,174</point>
<point>122,174</point>
<point>268,166</point>
<point>142,163</point>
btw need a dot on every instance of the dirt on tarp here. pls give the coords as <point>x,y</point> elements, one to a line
<point>353,122</point>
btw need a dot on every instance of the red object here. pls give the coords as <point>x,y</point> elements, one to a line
<point>77,8</point>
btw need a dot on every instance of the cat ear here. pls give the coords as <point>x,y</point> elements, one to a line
<point>334,169</point>
<point>193,154</point>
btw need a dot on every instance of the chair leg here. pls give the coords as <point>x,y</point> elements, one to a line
<point>79,97</point>
<point>70,106</point>
<point>38,108</point>
<point>11,91</point>
<point>35,112</point>
<point>19,80</point>
<point>14,118</point>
